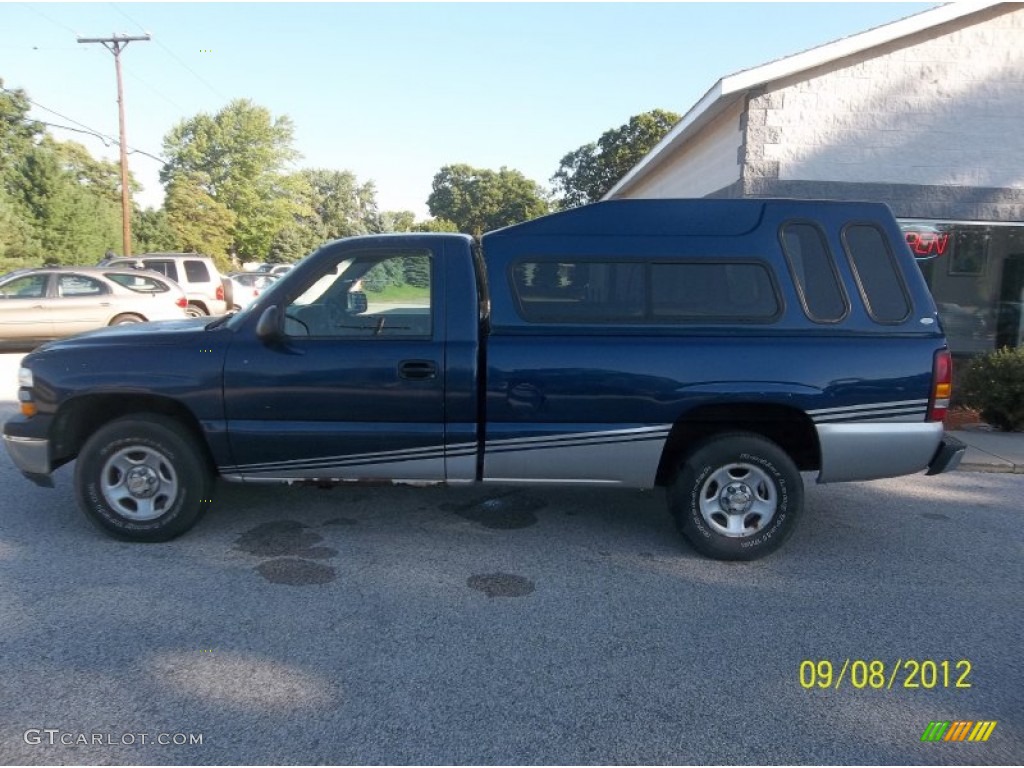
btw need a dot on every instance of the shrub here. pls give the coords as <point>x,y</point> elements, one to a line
<point>994,385</point>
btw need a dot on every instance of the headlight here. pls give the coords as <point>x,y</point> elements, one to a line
<point>25,377</point>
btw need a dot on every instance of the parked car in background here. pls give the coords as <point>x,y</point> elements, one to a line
<point>42,304</point>
<point>208,292</point>
<point>274,269</point>
<point>248,285</point>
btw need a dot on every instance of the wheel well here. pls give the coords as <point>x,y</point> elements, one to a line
<point>791,429</point>
<point>199,303</point>
<point>119,315</point>
<point>79,418</point>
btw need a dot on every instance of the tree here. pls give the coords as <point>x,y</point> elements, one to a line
<point>238,158</point>
<point>73,222</point>
<point>17,132</point>
<point>586,174</point>
<point>339,206</point>
<point>152,232</point>
<point>478,200</point>
<point>201,222</point>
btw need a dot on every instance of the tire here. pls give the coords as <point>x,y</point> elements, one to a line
<point>171,481</point>
<point>127,319</point>
<point>737,496</point>
<point>195,310</point>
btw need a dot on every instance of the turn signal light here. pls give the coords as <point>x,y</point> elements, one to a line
<point>28,409</point>
<point>942,385</point>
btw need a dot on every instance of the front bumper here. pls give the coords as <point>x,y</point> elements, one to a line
<point>31,455</point>
<point>947,457</point>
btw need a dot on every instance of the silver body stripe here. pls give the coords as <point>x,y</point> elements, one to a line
<point>868,407</point>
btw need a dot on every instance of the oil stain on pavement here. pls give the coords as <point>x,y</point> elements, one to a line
<point>292,548</point>
<point>501,584</point>
<point>507,512</point>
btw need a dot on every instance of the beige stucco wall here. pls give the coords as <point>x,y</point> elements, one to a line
<point>705,165</point>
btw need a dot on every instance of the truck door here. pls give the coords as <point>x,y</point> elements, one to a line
<point>354,389</point>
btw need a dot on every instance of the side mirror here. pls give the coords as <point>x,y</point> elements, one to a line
<point>357,303</point>
<point>268,327</point>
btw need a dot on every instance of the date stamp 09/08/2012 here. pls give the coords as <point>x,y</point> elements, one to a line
<point>876,674</point>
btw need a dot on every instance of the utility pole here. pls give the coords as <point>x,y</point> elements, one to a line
<point>115,44</point>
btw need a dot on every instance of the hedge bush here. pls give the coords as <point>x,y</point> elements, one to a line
<point>994,386</point>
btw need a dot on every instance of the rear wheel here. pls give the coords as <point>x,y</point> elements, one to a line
<point>127,319</point>
<point>736,496</point>
<point>143,478</point>
<point>195,310</point>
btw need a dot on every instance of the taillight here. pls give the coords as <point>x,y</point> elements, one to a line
<point>942,385</point>
<point>182,302</point>
<point>220,293</point>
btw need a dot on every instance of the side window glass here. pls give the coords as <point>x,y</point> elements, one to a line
<point>28,287</point>
<point>165,268</point>
<point>814,271</point>
<point>369,297</point>
<point>715,291</point>
<point>74,286</point>
<point>196,272</point>
<point>580,292</point>
<point>881,285</point>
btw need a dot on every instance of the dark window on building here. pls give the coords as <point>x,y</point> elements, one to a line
<point>814,272</point>
<point>196,272</point>
<point>879,280</point>
<point>714,290</point>
<point>603,291</point>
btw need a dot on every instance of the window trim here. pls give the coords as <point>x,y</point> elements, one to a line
<point>798,285</point>
<point>649,318</point>
<point>901,283</point>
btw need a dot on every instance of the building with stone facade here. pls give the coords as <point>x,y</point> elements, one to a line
<point>925,114</point>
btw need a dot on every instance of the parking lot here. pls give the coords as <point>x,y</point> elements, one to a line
<point>499,625</point>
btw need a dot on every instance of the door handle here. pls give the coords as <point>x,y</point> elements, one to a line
<point>417,369</point>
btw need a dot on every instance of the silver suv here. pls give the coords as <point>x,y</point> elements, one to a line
<point>208,292</point>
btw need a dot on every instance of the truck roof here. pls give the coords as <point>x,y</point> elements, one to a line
<point>669,218</point>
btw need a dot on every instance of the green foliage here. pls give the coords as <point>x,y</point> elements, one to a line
<point>586,174</point>
<point>152,232</point>
<point>200,222</point>
<point>417,271</point>
<point>73,220</point>
<point>478,200</point>
<point>338,205</point>
<point>237,158</point>
<point>396,221</point>
<point>994,385</point>
<point>435,225</point>
<point>17,132</point>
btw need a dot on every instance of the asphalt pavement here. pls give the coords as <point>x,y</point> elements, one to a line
<point>517,626</point>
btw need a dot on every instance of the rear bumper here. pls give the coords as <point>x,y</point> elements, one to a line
<point>947,457</point>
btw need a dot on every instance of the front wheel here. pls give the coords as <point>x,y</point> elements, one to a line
<point>143,478</point>
<point>737,497</point>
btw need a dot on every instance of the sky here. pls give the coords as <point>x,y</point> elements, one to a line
<point>395,91</point>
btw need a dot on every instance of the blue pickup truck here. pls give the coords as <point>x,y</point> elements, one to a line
<point>718,348</point>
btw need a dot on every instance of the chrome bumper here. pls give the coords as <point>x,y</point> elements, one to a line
<point>873,450</point>
<point>32,456</point>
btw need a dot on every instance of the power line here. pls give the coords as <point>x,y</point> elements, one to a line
<point>35,8</point>
<point>105,138</point>
<point>171,54</point>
